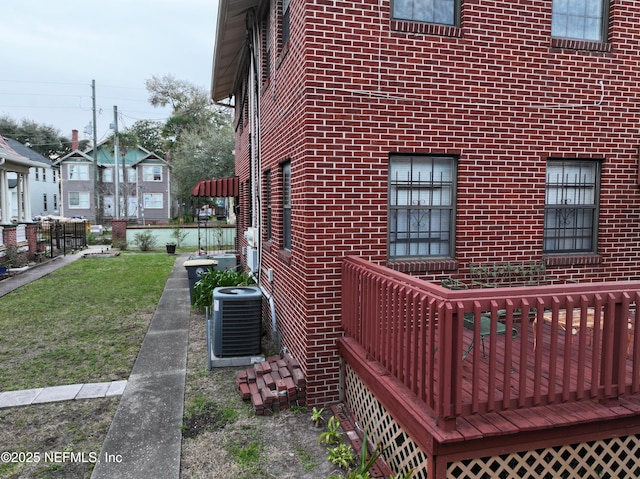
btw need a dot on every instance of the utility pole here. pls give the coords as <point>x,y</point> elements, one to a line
<point>96,198</point>
<point>116,166</point>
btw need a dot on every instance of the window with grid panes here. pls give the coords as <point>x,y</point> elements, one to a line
<point>421,206</point>
<point>78,200</point>
<point>580,19</point>
<point>571,206</point>
<point>446,12</point>
<point>78,172</point>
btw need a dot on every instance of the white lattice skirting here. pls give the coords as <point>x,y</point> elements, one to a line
<point>617,457</point>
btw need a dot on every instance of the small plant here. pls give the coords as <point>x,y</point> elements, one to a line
<point>362,471</point>
<point>120,244</point>
<point>145,240</point>
<point>316,416</point>
<point>178,234</point>
<point>211,279</point>
<point>331,435</point>
<point>342,455</point>
<point>13,258</point>
<point>92,238</point>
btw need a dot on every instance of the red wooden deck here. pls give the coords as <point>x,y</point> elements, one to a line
<point>567,411</point>
<point>406,340</point>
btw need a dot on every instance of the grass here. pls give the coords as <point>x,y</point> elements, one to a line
<point>74,426</point>
<point>82,323</point>
<point>222,436</point>
<point>86,322</point>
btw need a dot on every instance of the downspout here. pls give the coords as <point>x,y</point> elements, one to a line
<point>253,30</point>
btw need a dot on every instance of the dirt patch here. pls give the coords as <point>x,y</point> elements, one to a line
<point>223,438</point>
<point>42,437</point>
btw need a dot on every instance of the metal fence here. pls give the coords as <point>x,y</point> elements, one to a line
<point>61,238</point>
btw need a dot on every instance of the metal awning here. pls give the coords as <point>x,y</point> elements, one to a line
<point>217,187</point>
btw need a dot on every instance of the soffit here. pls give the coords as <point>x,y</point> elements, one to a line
<point>229,47</point>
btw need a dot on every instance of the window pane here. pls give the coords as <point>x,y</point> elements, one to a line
<point>153,200</point>
<point>286,203</point>
<point>571,206</point>
<point>421,198</point>
<point>578,19</point>
<point>431,11</point>
<point>79,172</point>
<point>78,200</point>
<point>152,173</point>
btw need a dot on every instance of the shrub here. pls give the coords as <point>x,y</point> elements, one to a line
<point>120,244</point>
<point>211,279</point>
<point>145,240</point>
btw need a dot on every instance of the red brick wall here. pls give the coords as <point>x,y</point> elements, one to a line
<point>119,230</point>
<point>497,92</point>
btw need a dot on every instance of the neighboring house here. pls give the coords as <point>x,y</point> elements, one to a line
<point>423,137</point>
<point>143,186</point>
<point>14,174</point>
<point>43,183</point>
<point>16,232</point>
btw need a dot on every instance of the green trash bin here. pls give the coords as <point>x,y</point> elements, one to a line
<point>195,268</point>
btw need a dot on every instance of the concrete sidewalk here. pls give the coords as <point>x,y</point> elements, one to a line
<point>145,437</point>
<point>26,397</point>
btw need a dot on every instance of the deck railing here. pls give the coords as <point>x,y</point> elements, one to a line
<point>416,331</point>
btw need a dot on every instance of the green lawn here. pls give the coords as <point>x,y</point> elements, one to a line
<point>83,323</point>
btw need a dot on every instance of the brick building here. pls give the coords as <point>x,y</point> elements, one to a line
<point>425,136</point>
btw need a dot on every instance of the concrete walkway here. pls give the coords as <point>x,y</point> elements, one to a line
<point>38,271</point>
<point>26,397</point>
<point>145,437</point>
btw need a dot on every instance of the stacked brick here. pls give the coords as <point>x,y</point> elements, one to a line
<point>273,385</point>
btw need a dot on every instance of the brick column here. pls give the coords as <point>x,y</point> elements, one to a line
<point>118,231</point>
<point>9,236</point>
<point>32,239</point>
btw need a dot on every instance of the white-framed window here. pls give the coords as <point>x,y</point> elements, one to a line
<point>78,172</point>
<point>421,206</point>
<point>44,202</point>
<point>107,175</point>
<point>21,233</point>
<point>37,176</point>
<point>55,201</point>
<point>580,19</point>
<point>44,174</point>
<point>152,173</point>
<point>571,206</point>
<point>78,200</point>
<point>132,174</point>
<point>108,205</point>
<point>153,200</point>
<point>445,12</point>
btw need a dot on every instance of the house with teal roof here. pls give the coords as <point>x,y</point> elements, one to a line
<point>138,189</point>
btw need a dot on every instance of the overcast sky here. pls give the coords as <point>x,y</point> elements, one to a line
<point>50,51</point>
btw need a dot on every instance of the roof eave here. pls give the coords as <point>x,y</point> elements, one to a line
<point>228,50</point>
